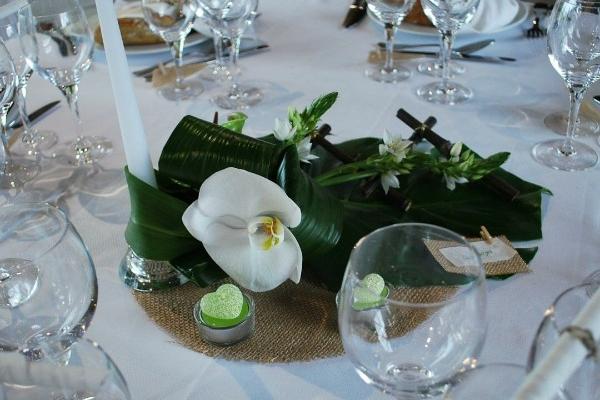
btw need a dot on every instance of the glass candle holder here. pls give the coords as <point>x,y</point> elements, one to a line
<point>146,275</point>
<point>227,336</point>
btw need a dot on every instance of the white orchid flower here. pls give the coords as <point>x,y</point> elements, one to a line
<point>303,148</point>
<point>394,144</point>
<point>389,180</point>
<point>455,151</point>
<point>242,220</point>
<point>451,181</point>
<point>283,130</point>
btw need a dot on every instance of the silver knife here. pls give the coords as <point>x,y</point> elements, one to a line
<point>33,117</point>
<point>467,48</point>
<point>464,56</point>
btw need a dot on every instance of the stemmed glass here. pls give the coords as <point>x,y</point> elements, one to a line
<point>172,21</point>
<point>574,52</point>
<point>391,13</point>
<point>584,384</point>
<point>57,43</point>
<point>48,286</point>
<point>448,16</point>
<point>559,121</point>
<point>33,139</point>
<point>231,18</point>
<point>13,172</point>
<point>430,326</point>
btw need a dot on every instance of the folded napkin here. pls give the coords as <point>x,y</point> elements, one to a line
<point>492,15</point>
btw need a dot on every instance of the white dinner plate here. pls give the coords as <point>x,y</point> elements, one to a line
<point>413,29</point>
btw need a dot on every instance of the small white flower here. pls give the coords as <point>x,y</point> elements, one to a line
<point>283,130</point>
<point>304,150</point>
<point>394,144</point>
<point>389,180</point>
<point>242,220</point>
<point>451,181</point>
<point>455,152</point>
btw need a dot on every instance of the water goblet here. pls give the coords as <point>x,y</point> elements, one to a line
<point>57,43</point>
<point>391,13</point>
<point>33,139</point>
<point>430,326</point>
<point>172,21</point>
<point>48,287</point>
<point>448,16</point>
<point>14,172</point>
<point>574,52</point>
<point>584,384</point>
<point>87,373</point>
<point>231,18</point>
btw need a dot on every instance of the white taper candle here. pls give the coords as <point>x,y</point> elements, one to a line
<point>128,113</point>
<point>555,369</point>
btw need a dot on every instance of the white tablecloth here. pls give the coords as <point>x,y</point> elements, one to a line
<point>310,55</point>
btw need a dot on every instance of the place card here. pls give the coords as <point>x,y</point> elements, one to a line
<point>497,255</point>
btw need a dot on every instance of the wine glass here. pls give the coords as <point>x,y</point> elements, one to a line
<point>584,384</point>
<point>48,287</point>
<point>89,373</point>
<point>574,52</point>
<point>436,67</point>
<point>558,122</point>
<point>431,324</point>
<point>33,139</point>
<point>57,43</point>
<point>231,18</point>
<point>391,13</point>
<point>172,21</point>
<point>490,382</point>
<point>448,16</point>
<point>14,172</point>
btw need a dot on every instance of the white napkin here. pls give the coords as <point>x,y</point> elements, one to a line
<point>492,15</point>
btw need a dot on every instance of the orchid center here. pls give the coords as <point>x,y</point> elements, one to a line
<point>266,232</point>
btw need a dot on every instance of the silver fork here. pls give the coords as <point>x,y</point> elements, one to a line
<point>535,31</point>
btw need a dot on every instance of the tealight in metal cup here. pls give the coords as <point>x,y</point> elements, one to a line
<point>230,335</point>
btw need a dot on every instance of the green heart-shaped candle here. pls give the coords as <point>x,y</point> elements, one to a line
<point>225,307</point>
<point>370,292</point>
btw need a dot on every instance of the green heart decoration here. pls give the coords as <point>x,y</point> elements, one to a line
<point>225,304</point>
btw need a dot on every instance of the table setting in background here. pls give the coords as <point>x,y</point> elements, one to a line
<point>338,200</point>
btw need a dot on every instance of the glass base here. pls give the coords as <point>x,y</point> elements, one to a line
<point>579,158</point>
<point>37,140</point>
<point>217,73</point>
<point>558,121</point>
<point>148,275</point>
<point>434,68</point>
<point>380,74</point>
<point>84,151</point>
<point>17,172</point>
<point>240,99</point>
<point>189,90</point>
<point>450,94</point>
<point>18,281</point>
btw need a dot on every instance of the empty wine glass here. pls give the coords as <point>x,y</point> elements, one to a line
<point>57,43</point>
<point>574,52</point>
<point>14,172</point>
<point>87,373</point>
<point>426,325</point>
<point>231,18</point>
<point>172,21</point>
<point>48,287</point>
<point>436,67</point>
<point>584,384</point>
<point>32,138</point>
<point>448,16</point>
<point>490,382</point>
<point>558,122</point>
<point>391,13</point>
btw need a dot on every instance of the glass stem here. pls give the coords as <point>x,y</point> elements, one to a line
<point>234,54</point>
<point>22,104</point>
<point>446,52</point>
<point>177,52</point>
<point>218,41</point>
<point>390,30</point>
<point>576,95</point>
<point>71,93</point>
<point>6,159</point>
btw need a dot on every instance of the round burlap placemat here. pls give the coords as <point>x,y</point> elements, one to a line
<point>293,323</point>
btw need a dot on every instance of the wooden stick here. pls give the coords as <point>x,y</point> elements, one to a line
<point>494,182</point>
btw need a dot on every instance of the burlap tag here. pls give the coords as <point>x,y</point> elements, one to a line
<point>293,322</point>
<point>513,266</point>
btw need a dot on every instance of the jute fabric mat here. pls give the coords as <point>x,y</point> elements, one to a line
<point>293,322</point>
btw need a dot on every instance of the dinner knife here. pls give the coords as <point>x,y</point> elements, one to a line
<point>464,56</point>
<point>467,48</point>
<point>356,12</point>
<point>37,114</point>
